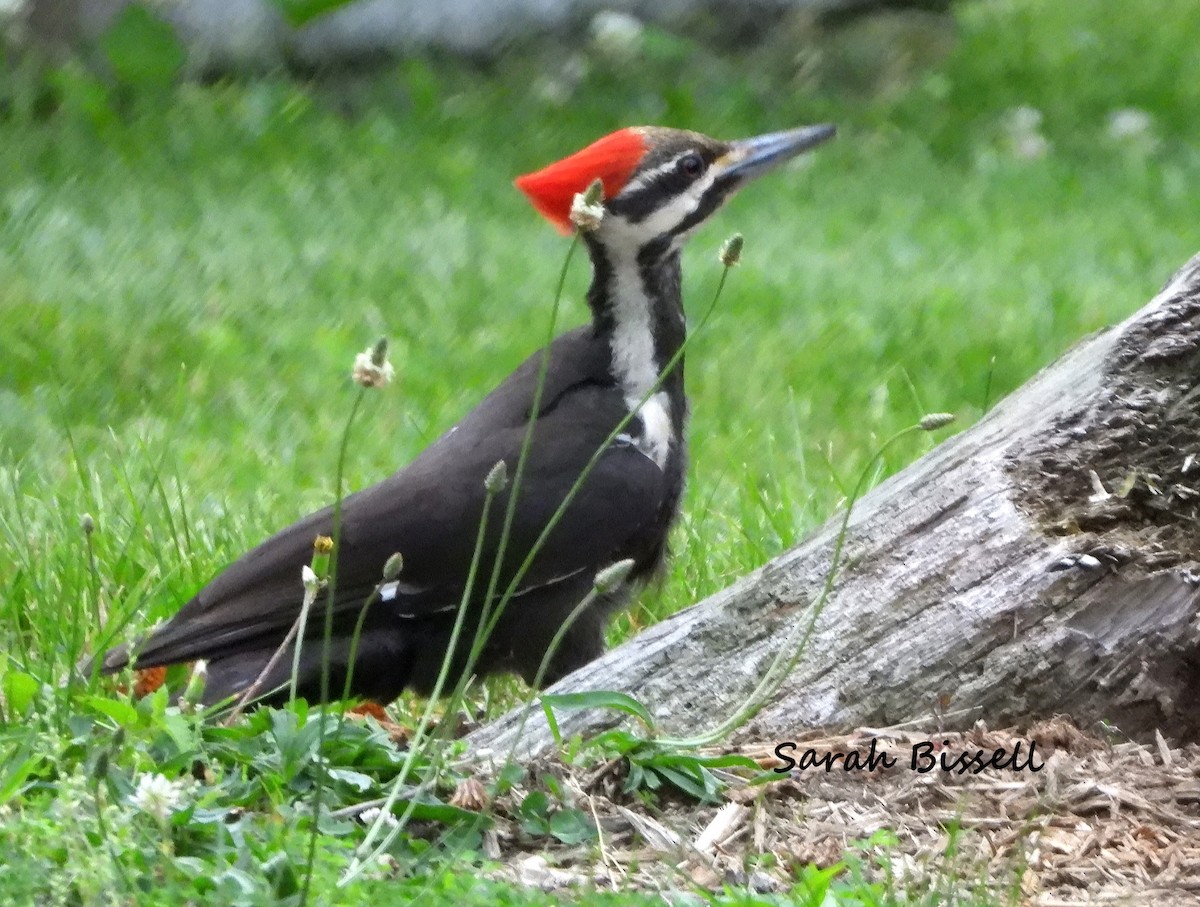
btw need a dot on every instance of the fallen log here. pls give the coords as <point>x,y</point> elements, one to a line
<point>1047,560</point>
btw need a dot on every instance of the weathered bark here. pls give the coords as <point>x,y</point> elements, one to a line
<point>995,575</point>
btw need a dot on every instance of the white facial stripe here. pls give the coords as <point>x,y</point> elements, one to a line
<point>645,179</point>
<point>670,215</point>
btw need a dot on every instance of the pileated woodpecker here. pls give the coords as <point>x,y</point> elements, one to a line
<point>659,185</point>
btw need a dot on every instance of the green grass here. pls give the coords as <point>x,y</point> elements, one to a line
<point>183,287</point>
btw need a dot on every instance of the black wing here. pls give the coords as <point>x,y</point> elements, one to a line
<point>430,512</point>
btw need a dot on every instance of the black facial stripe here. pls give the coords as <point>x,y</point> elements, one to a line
<point>639,205</point>
<point>670,182</point>
<point>709,202</point>
<point>601,288</point>
<point>658,267</point>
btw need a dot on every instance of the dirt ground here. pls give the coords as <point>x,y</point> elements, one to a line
<point>1101,822</point>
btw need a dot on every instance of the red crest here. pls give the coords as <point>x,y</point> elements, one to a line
<point>612,159</point>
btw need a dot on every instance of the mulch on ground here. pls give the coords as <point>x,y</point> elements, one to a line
<point>1103,821</point>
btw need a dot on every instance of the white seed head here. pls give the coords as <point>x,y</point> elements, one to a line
<point>393,566</point>
<point>587,208</point>
<point>311,581</point>
<point>157,796</point>
<point>731,250</point>
<point>613,576</point>
<point>497,478</point>
<point>934,421</point>
<point>371,366</point>
<point>87,524</point>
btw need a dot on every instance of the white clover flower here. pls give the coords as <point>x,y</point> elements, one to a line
<point>1024,119</point>
<point>1031,147</point>
<point>1133,130</point>
<point>157,796</point>
<point>368,817</point>
<point>1129,123</point>
<point>369,374</point>
<point>1023,128</point>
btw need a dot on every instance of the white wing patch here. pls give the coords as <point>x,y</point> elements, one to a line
<point>655,441</point>
<point>389,591</point>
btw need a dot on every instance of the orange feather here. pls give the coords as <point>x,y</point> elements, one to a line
<point>612,159</point>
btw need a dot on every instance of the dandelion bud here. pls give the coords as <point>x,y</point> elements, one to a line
<point>322,548</point>
<point>731,250</point>
<point>100,769</point>
<point>87,524</point>
<point>611,577</point>
<point>393,566</point>
<point>587,208</point>
<point>934,421</point>
<point>497,478</point>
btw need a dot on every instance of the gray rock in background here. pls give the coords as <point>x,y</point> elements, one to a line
<point>226,35</point>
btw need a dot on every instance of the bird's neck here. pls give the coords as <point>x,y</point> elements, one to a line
<point>637,308</point>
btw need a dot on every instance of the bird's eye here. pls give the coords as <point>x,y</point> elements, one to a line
<point>691,165</point>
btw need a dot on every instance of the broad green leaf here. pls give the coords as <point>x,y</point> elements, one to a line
<point>439,812</point>
<point>729,760</point>
<point>143,49</point>
<point>298,12</point>
<point>20,689</point>
<point>79,90</point>
<point>685,781</point>
<point>535,805</point>
<point>118,710</point>
<point>601,699</point>
<point>357,780</point>
<point>572,826</point>
<point>20,767</point>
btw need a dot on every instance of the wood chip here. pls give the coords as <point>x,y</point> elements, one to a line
<point>722,826</point>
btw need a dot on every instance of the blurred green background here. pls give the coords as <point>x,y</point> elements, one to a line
<point>188,267</point>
